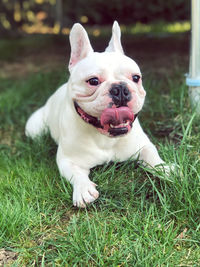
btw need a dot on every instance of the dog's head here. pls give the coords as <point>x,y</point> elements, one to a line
<point>106,88</point>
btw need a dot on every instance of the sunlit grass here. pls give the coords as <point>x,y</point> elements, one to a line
<point>176,27</point>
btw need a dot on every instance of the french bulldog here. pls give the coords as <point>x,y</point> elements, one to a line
<point>93,117</point>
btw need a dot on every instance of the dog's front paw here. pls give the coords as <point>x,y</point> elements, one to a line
<point>168,169</point>
<point>84,193</point>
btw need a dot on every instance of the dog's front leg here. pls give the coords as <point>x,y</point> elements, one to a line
<point>84,190</point>
<point>149,156</point>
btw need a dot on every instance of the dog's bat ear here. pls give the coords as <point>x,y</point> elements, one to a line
<point>115,41</point>
<point>80,44</point>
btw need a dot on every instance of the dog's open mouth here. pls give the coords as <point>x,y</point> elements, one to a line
<point>112,122</point>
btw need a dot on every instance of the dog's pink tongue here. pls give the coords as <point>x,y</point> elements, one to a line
<point>116,116</point>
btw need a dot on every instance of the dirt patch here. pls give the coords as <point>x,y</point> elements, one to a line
<point>30,64</point>
<point>16,69</point>
<point>6,137</point>
<point>7,257</point>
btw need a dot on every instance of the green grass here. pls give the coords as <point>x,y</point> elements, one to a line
<point>141,218</point>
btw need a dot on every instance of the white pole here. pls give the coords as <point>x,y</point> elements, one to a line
<point>193,79</point>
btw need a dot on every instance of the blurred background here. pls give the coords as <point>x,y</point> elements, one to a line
<point>57,16</point>
<point>34,33</point>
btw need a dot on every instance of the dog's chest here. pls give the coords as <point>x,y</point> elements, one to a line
<point>105,151</point>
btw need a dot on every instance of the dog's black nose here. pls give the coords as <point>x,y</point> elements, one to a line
<point>120,94</point>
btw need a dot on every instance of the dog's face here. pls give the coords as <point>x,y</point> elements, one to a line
<point>106,88</point>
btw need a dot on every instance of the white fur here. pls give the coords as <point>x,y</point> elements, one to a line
<point>80,145</point>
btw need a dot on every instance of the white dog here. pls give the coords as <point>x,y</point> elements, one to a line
<point>93,117</point>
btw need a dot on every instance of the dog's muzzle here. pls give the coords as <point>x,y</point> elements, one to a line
<point>113,121</point>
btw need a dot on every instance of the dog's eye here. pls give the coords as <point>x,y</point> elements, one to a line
<point>136,78</point>
<point>93,81</point>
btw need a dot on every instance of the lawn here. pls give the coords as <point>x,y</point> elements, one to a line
<point>141,218</point>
